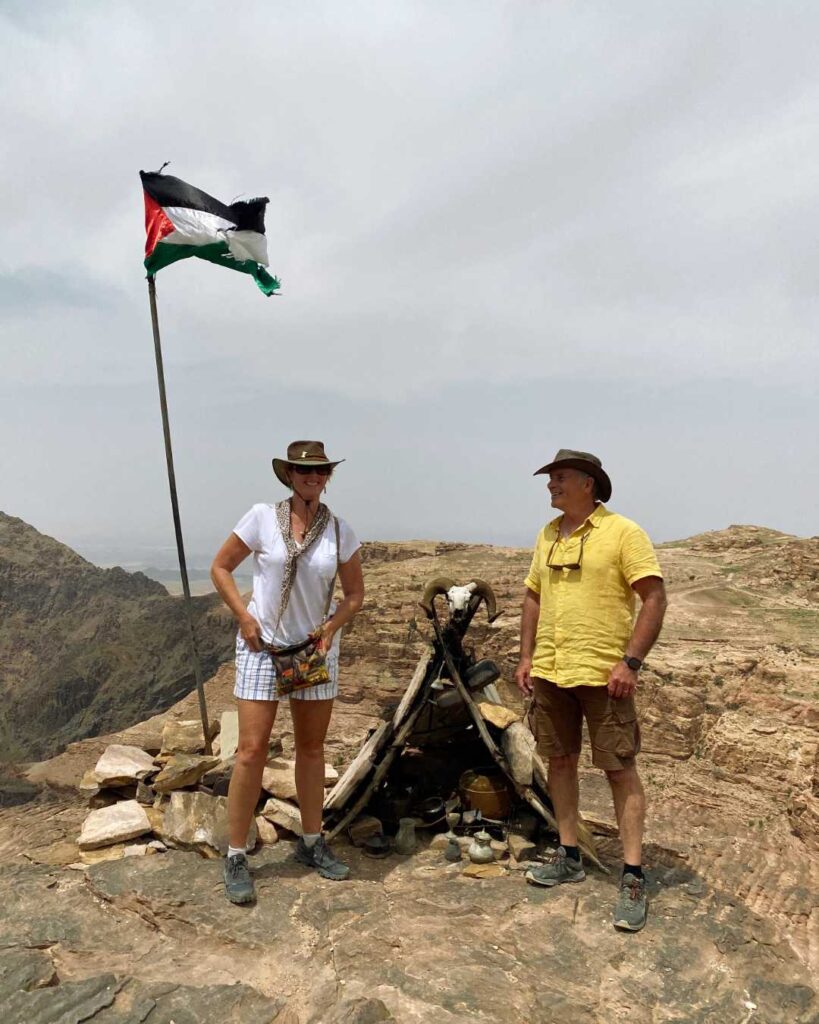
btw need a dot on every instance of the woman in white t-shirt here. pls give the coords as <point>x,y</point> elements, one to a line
<point>297,546</point>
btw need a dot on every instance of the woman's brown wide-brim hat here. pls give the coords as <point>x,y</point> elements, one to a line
<point>567,458</point>
<point>302,453</point>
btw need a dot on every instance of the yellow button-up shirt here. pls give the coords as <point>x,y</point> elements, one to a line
<point>587,614</point>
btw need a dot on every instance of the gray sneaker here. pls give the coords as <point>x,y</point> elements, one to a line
<point>318,856</point>
<point>632,906</point>
<point>239,886</point>
<point>560,869</point>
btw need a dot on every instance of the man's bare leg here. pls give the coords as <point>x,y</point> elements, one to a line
<point>630,808</point>
<point>631,907</point>
<point>565,794</point>
<point>563,790</point>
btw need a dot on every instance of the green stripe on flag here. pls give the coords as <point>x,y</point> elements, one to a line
<point>164,255</point>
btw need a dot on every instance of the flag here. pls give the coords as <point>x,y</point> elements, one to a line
<point>182,221</point>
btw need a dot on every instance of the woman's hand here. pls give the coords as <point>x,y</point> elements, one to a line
<point>251,632</point>
<point>325,637</point>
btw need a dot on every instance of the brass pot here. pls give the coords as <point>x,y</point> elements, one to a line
<point>487,791</point>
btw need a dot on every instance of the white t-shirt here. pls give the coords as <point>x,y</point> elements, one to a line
<point>259,529</point>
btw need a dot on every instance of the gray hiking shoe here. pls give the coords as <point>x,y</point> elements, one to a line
<point>560,869</point>
<point>239,886</point>
<point>318,856</point>
<point>631,907</point>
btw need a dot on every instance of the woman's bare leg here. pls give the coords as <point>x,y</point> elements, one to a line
<point>310,721</point>
<point>256,718</point>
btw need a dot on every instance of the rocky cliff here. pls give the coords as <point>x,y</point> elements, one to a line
<point>85,650</point>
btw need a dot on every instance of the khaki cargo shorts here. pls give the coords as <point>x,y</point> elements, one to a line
<point>556,719</point>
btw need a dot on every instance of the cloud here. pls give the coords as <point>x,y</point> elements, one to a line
<point>559,211</point>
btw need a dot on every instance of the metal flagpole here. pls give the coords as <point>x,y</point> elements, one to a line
<point>180,548</point>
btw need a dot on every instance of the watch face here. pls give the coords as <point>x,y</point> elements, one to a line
<point>633,663</point>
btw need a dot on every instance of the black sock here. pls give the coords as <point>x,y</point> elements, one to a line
<point>633,869</point>
<point>572,852</point>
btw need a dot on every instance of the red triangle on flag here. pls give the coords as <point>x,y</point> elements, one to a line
<point>157,224</point>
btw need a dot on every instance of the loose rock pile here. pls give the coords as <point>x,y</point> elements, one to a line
<point>174,795</point>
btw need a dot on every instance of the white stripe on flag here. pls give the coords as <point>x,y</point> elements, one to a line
<point>248,245</point>
<point>197,227</point>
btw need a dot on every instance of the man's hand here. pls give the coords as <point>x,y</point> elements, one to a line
<point>523,677</point>
<point>251,632</point>
<point>622,681</point>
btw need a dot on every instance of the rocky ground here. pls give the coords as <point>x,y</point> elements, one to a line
<point>730,721</point>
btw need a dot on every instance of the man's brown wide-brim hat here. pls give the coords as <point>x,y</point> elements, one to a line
<point>302,453</point>
<point>567,458</point>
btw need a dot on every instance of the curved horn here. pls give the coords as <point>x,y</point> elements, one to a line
<point>440,585</point>
<point>483,589</point>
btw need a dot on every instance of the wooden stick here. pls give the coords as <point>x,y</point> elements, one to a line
<point>177,525</point>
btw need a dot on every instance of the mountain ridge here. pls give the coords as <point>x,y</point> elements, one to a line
<point>85,649</point>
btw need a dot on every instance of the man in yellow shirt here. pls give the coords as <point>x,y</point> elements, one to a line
<point>581,651</point>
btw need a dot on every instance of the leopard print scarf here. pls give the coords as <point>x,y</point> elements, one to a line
<point>317,528</point>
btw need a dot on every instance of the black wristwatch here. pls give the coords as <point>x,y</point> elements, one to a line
<point>633,663</point>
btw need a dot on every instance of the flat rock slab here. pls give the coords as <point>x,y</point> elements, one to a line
<point>484,871</point>
<point>266,831</point>
<point>198,821</point>
<point>359,1011</point>
<point>31,991</point>
<point>24,969</point>
<point>46,906</point>
<point>191,890</point>
<point>114,824</point>
<point>183,770</point>
<point>89,784</point>
<point>497,714</point>
<point>519,746</point>
<point>504,951</point>
<point>115,852</point>
<point>279,778</point>
<point>185,736</point>
<point>282,813</point>
<point>520,847</point>
<point>228,734</point>
<point>121,765</point>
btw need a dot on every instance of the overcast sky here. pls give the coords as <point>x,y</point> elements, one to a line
<point>501,229</point>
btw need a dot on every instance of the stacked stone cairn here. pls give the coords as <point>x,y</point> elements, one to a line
<point>173,795</point>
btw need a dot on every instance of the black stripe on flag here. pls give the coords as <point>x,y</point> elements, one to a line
<point>165,189</point>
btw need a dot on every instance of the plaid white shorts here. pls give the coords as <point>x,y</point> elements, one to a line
<point>256,677</point>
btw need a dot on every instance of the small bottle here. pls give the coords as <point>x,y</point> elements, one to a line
<point>405,839</point>
<point>452,851</point>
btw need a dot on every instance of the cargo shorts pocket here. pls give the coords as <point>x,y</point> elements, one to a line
<point>617,731</point>
<point>555,719</point>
